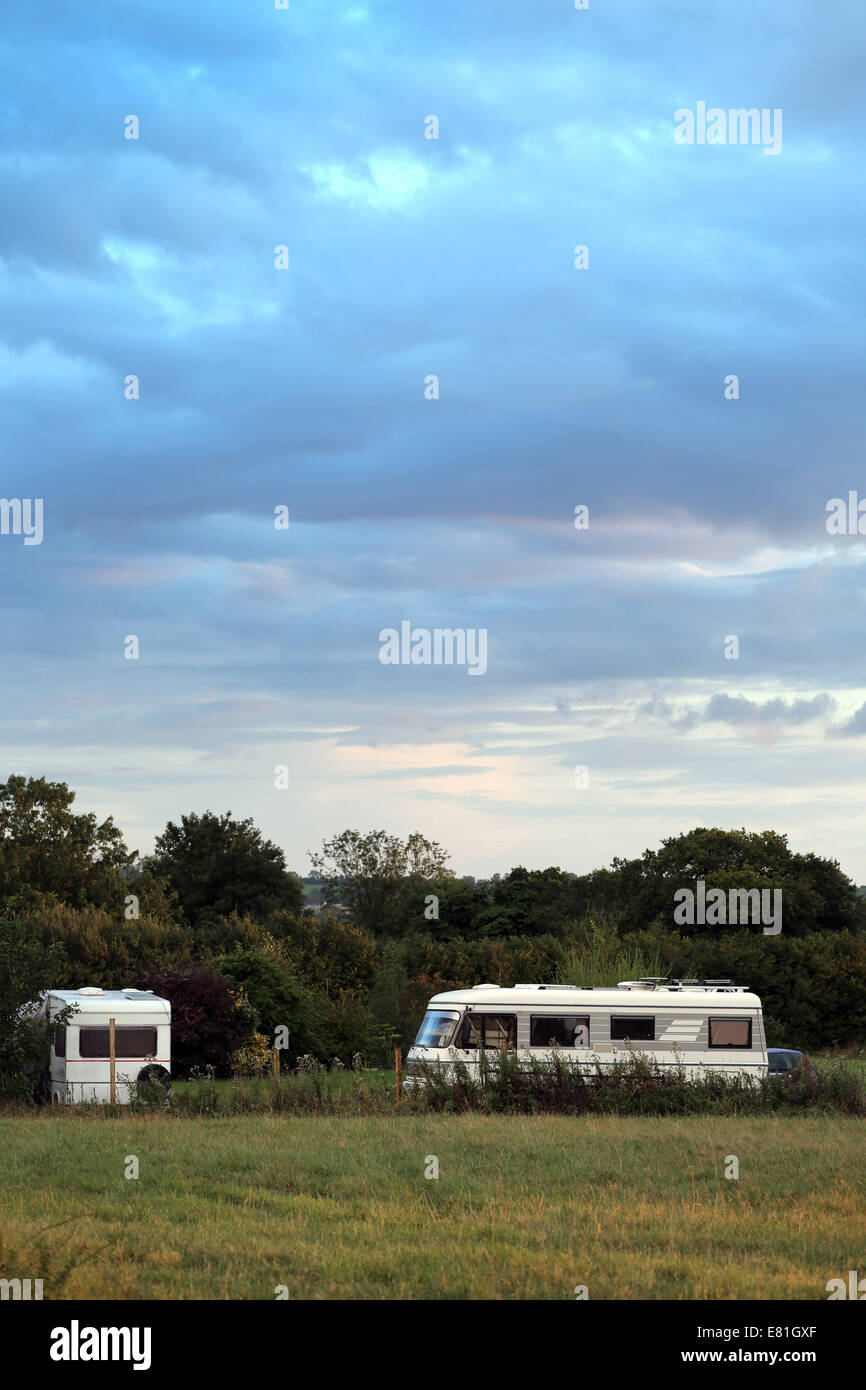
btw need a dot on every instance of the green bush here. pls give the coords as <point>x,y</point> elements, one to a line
<point>26,972</point>
<point>276,1000</point>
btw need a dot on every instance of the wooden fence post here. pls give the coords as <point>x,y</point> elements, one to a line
<point>276,1061</point>
<point>398,1067</point>
<point>111,1088</point>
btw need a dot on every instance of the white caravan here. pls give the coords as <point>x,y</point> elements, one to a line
<point>80,1063</point>
<point>703,1026</point>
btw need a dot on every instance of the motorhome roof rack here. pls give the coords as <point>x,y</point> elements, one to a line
<point>538,986</point>
<point>645,982</point>
<point>702,983</point>
<point>721,985</point>
<point>661,982</point>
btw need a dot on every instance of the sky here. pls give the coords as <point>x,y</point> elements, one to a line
<point>308,387</point>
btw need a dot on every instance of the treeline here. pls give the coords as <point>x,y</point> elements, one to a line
<point>339,992</point>
<point>216,922</point>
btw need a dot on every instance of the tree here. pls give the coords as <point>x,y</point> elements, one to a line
<point>371,877</point>
<point>104,948</point>
<point>48,851</point>
<point>326,953</point>
<point>27,970</point>
<point>816,895</point>
<point>527,902</point>
<point>459,905</point>
<point>276,1000</point>
<point>208,1018</point>
<point>216,865</point>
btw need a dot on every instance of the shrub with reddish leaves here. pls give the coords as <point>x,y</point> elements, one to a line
<point>208,1020</point>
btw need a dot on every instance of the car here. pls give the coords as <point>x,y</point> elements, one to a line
<point>782,1061</point>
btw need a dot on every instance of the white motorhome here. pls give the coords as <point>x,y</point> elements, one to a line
<point>80,1061</point>
<point>702,1026</point>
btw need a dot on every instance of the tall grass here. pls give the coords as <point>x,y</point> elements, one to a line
<point>600,959</point>
<point>503,1084</point>
<point>638,1085</point>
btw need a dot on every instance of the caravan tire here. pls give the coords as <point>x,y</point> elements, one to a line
<point>154,1075</point>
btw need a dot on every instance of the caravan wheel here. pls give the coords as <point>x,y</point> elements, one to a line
<point>155,1075</point>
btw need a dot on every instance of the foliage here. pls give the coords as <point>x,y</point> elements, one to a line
<point>370,876</point>
<point>326,953</point>
<point>102,948</point>
<point>275,999</point>
<point>817,896</point>
<point>252,1058</point>
<point>26,972</point>
<point>508,1084</point>
<point>209,1020</point>
<point>46,851</point>
<point>216,866</point>
<point>599,957</point>
<point>527,902</point>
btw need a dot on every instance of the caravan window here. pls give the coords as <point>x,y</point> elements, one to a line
<point>624,1029</point>
<point>730,1032</point>
<point>59,1041</point>
<point>490,1030</point>
<point>545,1031</point>
<point>128,1042</point>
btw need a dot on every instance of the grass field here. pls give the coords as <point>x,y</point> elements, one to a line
<point>378,1083</point>
<point>339,1207</point>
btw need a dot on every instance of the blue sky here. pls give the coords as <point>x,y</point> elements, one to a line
<point>558,387</point>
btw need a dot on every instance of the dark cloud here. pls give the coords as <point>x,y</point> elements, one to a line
<point>743,713</point>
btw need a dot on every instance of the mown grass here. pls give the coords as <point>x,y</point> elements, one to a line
<point>338,1207</point>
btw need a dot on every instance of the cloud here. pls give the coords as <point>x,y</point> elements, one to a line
<point>854,727</point>
<point>743,713</point>
<point>558,387</point>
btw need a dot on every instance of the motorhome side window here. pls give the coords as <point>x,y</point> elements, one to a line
<point>730,1032</point>
<point>490,1030</point>
<point>626,1029</point>
<point>568,1031</point>
<point>128,1042</point>
<point>59,1041</point>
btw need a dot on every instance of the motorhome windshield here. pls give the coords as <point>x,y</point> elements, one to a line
<point>437,1028</point>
